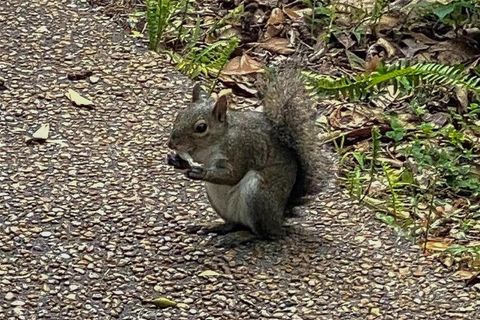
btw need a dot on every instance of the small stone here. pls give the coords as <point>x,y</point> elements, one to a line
<point>9,296</point>
<point>94,79</point>
<point>18,303</point>
<point>97,296</point>
<point>71,296</point>
<point>45,234</point>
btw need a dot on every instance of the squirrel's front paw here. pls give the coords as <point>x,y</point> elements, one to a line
<point>196,173</point>
<point>177,162</point>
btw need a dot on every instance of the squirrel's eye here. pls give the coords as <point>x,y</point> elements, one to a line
<point>201,126</point>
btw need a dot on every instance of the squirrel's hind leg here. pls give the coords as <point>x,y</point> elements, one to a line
<point>253,202</point>
<point>257,206</point>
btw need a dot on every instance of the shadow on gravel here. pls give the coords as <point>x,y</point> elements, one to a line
<point>301,246</point>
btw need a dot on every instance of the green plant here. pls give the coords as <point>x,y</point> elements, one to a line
<point>231,17</point>
<point>454,13</point>
<point>401,75</point>
<point>355,182</point>
<point>378,8</point>
<point>393,178</point>
<point>322,18</point>
<point>159,17</point>
<point>375,153</point>
<point>207,60</point>
<point>398,131</point>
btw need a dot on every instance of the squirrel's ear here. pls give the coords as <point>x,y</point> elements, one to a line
<point>220,109</point>
<point>197,92</point>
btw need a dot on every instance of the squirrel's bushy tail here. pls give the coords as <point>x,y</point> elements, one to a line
<point>288,106</point>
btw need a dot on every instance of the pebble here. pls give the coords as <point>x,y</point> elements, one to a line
<point>45,234</point>
<point>9,296</point>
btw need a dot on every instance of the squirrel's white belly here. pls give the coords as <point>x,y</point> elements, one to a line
<point>231,202</point>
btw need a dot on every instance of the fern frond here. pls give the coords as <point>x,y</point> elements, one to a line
<point>233,15</point>
<point>401,75</point>
<point>159,15</point>
<point>208,60</point>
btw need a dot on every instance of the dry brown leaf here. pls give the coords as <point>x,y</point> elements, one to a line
<point>387,45</point>
<point>272,31</point>
<point>439,119</point>
<point>438,245</point>
<point>242,65</point>
<point>411,46</point>
<point>465,274</point>
<point>278,45</point>
<point>276,17</point>
<point>293,13</point>
<point>76,98</point>
<point>386,24</point>
<point>225,92</point>
<point>42,132</point>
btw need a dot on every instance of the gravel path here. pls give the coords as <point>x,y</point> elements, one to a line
<point>92,222</point>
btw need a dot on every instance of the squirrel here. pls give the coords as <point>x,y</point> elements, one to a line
<point>256,165</point>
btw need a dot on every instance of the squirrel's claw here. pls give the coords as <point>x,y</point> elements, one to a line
<point>196,173</point>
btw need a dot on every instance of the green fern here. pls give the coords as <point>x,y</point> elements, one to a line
<point>208,60</point>
<point>378,8</point>
<point>400,75</point>
<point>232,16</point>
<point>159,17</point>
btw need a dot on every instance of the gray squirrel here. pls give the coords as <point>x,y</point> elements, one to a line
<point>256,166</point>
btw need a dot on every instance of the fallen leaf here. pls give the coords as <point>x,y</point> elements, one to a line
<point>163,302</point>
<point>465,274</point>
<point>42,132</point>
<point>225,92</point>
<point>410,47</point>
<point>293,13</point>
<point>278,45</point>
<point>345,39</point>
<point>386,24</point>
<point>355,61</point>
<point>76,98</point>
<point>272,31</point>
<point>209,273</point>
<point>249,91</point>
<point>242,65</point>
<point>387,45</point>
<point>437,245</point>
<point>438,119</point>
<point>276,17</point>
